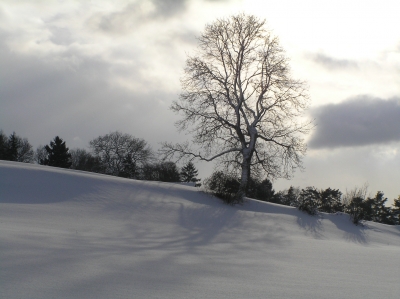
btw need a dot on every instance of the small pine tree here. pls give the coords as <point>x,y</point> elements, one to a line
<point>57,154</point>
<point>308,200</point>
<point>3,145</point>
<point>291,197</point>
<point>189,173</point>
<point>396,211</point>
<point>378,212</point>
<point>330,201</point>
<point>12,148</point>
<point>15,148</point>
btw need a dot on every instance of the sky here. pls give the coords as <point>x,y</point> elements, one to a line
<point>81,69</point>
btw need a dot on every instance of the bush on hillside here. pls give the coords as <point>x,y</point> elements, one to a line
<point>223,186</point>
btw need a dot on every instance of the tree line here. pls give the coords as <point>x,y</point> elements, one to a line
<point>125,156</point>
<point>311,200</point>
<point>114,154</point>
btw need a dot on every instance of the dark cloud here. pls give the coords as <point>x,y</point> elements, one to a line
<point>356,122</point>
<point>134,15</point>
<point>332,63</point>
<point>42,97</point>
<point>168,8</point>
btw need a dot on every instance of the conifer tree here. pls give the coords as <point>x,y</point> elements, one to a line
<point>57,154</point>
<point>15,148</point>
<point>189,173</point>
<point>3,145</point>
<point>308,200</point>
<point>378,211</point>
<point>12,148</point>
<point>291,197</point>
<point>330,201</point>
<point>396,211</point>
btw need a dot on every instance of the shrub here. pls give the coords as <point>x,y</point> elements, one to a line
<point>223,186</point>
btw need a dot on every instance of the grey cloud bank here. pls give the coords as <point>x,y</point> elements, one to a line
<point>332,63</point>
<point>42,98</point>
<point>356,122</point>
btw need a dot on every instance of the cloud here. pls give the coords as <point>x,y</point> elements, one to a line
<point>41,98</point>
<point>332,63</point>
<point>167,8</point>
<point>357,122</point>
<point>137,14</point>
<point>60,36</point>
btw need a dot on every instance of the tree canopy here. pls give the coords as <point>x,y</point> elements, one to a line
<point>240,102</point>
<point>121,154</point>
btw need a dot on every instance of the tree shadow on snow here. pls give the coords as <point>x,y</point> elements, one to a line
<point>353,233</point>
<point>311,224</point>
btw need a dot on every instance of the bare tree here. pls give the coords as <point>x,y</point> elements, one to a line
<point>240,102</point>
<point>357,192</point>
<point>117,151</point>
<point>83,160</point>
<point>25,151</point>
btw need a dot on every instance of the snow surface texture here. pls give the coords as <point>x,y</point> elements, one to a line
<point>71,234</point>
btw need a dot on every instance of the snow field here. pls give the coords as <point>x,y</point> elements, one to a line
<point>70,234</point>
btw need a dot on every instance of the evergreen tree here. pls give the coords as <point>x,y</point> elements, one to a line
<point>308,200</point>
<point>377,211</point>
<point>396,211</point>
<point>57,154</point>
<point>3,145</point>
<point>189,173</point>
<point>15,148</point>
<point>330,201</point>
<point>12,148</point>
<point>291,197</point>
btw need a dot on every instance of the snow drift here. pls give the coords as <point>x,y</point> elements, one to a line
<point>71,234</point>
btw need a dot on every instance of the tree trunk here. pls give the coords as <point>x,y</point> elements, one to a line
<point>243,180</point>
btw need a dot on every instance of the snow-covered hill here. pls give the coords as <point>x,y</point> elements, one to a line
<point>70,234</point>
